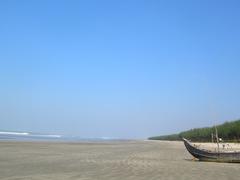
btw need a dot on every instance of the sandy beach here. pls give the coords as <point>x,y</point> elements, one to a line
<point>131,160</point>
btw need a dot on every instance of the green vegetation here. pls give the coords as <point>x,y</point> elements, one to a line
<point>172,137</point>
<point>229,131</point>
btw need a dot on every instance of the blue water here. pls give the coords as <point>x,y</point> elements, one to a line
<point>25,136</point>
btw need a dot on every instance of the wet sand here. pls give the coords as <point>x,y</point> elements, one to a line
<point>130,160</point>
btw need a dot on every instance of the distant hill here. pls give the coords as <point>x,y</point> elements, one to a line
<point>228,131</point>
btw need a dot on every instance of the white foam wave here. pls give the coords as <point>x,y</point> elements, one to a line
<point>29,134</point>
<point>14,133</point>
<point>47,136</point>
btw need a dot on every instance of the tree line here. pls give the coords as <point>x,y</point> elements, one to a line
<point>228,131</point>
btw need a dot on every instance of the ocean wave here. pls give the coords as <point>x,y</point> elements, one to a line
<point>46,136</point>
<point>26,134</point>
<point>14,133</point>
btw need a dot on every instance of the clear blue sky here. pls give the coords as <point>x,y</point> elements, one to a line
<point>124,68</point>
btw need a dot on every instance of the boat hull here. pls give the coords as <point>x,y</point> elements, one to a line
<point>205,155</point>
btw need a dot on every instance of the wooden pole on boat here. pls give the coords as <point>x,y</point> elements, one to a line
<point>217,138</point>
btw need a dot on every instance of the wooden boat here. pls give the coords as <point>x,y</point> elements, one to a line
<point>215,156</point>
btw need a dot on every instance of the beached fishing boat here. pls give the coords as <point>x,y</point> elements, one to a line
<point>210,155</point>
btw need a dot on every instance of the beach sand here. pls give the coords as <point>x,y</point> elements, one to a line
<point>120,160</point>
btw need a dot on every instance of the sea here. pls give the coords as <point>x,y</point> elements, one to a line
<point>29,136</point>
